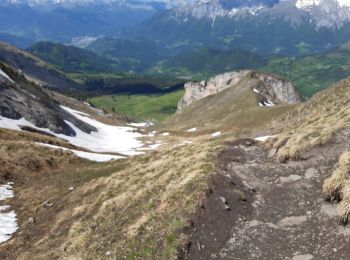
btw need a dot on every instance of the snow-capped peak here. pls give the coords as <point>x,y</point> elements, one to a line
<point>307,4</point>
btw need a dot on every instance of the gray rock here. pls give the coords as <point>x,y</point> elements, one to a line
<point>311,173</point>
<point>290,178</point>
<point>292,221</point>
<point>329,210</point>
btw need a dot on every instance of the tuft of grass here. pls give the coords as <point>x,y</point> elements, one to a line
<point>337,187</point>
<point>334,185</point>
<point>344,206</point>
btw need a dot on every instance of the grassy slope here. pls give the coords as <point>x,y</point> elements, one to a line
<point>312,74</point>
<point>234,109</point>
<point>70,58</point>
<point>314,122</point>
<point>140,107</point>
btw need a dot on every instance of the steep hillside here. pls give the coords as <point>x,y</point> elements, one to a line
<point>22,99</point>
<point>135,55</point>
<point>70,58</point>
<point>34,68</point>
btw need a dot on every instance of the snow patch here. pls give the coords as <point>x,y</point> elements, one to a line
<point>141,125</point>
<point>216,134</point>
<point>14,124</point>
<point>2,73</point>
<point>74,112</point>
<point>108,138</point>
<point>96,157</point>
<point>8,220</point>
<point>264,138</point>
<point>267,103</point>
<point>192,130</point>
<point>256,91</point>
<point>166,134</point>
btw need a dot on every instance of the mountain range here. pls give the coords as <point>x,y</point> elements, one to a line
<point>260,26</point>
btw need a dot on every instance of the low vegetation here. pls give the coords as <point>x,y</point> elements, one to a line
<point>337,187</point>
<point>140,107</point>
<point>313,123</point>
<point>126,209</point>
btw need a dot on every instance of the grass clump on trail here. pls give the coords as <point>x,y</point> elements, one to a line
<point>337,187</point>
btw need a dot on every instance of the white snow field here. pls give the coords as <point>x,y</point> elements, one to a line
<point>8,220</point>
<point>96,157</point>
<point>108,138</point>
<point>192,130</point>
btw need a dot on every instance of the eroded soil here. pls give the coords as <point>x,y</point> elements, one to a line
<point>258,208</point>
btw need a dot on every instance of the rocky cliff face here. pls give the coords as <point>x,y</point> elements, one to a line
<point>22,99</point>
<point>269,89</point>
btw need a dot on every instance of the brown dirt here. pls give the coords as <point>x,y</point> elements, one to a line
<point>284,216</point>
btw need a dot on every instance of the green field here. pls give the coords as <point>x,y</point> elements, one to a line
<point>140,107</point>
<point>312,74</point>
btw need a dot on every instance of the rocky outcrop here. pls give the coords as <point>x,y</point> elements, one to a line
<point>273,88</point>
<point>22,99</point>
<point>270,89</point>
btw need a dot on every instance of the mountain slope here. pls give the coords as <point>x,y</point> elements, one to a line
<point>35,69</point>
<point>70,58</point>
<point>22,99</point>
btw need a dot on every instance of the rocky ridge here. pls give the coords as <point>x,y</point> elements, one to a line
<point>20,98</point>
<point>270,89</point>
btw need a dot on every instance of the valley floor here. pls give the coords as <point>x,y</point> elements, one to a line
<point>258,208</point>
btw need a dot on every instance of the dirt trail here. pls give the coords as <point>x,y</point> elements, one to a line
<point>280,213</point>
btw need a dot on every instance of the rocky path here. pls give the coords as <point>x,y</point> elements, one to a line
<point>279,214</point>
